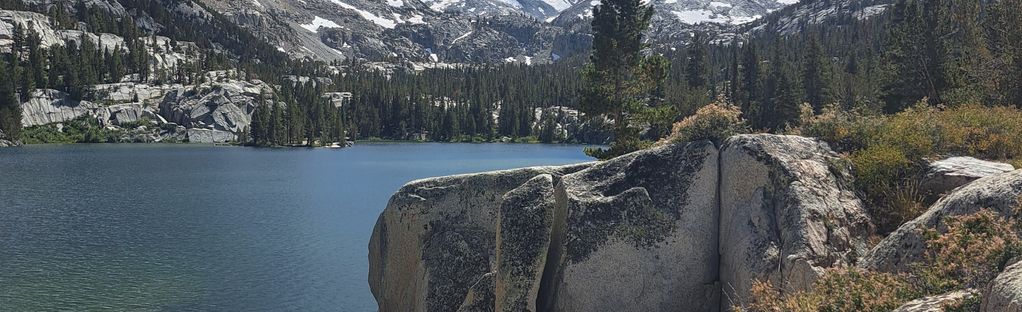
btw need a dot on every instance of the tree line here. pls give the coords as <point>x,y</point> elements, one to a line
<point>940,52</point>
<point>945,51</point>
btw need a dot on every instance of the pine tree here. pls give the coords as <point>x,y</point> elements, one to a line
<point>610,76</point>
<point>816,75</point>
<point>696,70</point>
<point>278,130</point>
<point>10,105</point>
<point>116,65</point>
<point>912,55</point>
<point>750,96</point>
<point>37,60</point>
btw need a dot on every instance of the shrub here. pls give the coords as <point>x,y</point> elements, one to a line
<point>881,176</point>
<point>972,252</point>
<point>83,129</point>
<point>714,122</point>
<point>888,152</point>
<point>844,131</point>
<point>838,290</point>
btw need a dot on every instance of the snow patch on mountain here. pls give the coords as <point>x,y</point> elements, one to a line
<point>698,17</point>
<point>318,22</point>
<point>382,22</point>
<point>559,5</point>
<point>415,19</point>
<point>461,37</point>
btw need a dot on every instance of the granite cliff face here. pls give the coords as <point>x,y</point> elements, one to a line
<point>680,227</point>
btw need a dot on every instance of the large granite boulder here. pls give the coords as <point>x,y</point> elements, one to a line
<point>526,221</point>
<point>665,229</point>
<point>51,106</point>
<point>126,114</point>
<point>787,211</point>
<point>896,252</point>
<point>221,106</point>
<point>1004,293</point>
<point>207,136</point>
<point>637,233</point>
<point>437,239</point>
<point>942,176</point>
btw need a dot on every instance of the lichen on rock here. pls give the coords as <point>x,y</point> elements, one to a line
<point>437,238</point>
<point>526,221</point>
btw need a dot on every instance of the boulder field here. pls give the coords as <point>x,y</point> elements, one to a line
<point>679,227</point>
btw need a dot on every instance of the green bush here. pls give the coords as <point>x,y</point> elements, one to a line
<point>882,176</point>
<point>83,129</point>
<point>889,152</point>
<point>714,122</point>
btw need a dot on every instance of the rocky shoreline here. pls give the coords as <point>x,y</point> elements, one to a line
<point>679,227</point>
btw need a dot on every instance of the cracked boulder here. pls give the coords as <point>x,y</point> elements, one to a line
<point>526,220</point>
<point>637,233</point>
<point>787,211</point>
<point>670,228</point>
<point>433,247</point>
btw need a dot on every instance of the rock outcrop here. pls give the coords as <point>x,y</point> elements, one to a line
<point>639,233</point>
<point>51,106</point>
<point>129,92</point>
<point>36,22</point>
<point>642,232</point>
<point>787,211</point>
<point>4,142</point>
<point>999,193</point>
<point>208,136</point>
<point>218,106</point>
<point>937,303</point>
<point>437,239</point>
<point>945,175</point>
<point>212,112</point>
<point>526,221</point>
<point>127,114</point>
<point>1004,293</point>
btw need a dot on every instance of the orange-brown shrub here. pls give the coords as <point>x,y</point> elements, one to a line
<point>972,252</point>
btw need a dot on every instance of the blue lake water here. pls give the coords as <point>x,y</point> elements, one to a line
<point>202,228</point>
